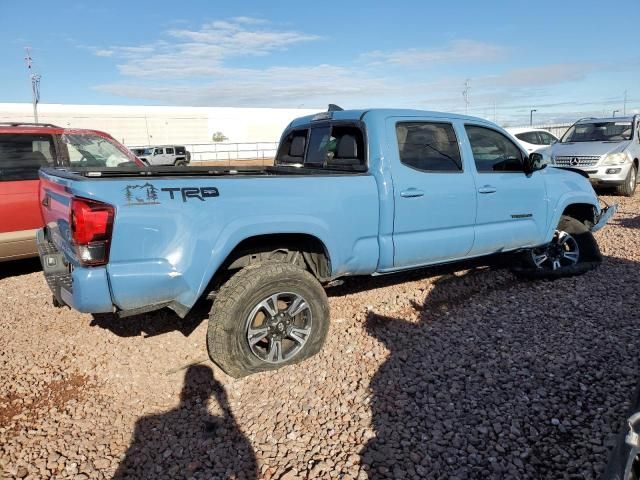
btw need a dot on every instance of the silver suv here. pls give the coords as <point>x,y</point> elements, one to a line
<point>608,149</point>
<point>164,155</point>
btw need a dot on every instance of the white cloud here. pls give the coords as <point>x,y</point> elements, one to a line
<point>103,52</point>
<point>457,51</point>
<point>188,52</point>
<point>198,67</point>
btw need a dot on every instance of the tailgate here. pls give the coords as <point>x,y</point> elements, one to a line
<point>55,203</point>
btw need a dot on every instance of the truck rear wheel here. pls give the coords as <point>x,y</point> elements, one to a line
<point>572,251</point>
<point>628,188</point>
<point>265,317</point>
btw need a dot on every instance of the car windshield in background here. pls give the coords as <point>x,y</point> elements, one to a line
<point>147,151</point>
<point>599,132</point>
<point>94,151</point>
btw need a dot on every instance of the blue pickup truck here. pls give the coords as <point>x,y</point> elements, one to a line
<point>356,192</point>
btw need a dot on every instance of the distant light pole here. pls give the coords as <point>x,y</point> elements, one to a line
<point>531,116</point>
<point>614,113</point>
<point>35,83</point>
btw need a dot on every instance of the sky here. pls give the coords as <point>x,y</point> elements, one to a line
<point>564,59</point>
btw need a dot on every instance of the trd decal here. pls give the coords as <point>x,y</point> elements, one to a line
<point>201,193</point>
<point>145,194</point>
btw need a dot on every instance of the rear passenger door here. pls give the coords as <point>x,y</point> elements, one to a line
<point>512,206</point>
<point>434,193</point>
<point>21,156</point>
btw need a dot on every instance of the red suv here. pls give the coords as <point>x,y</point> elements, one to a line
<point>24,148</point>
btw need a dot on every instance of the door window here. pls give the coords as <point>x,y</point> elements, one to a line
<point>428,146</point>
<point>492,151</point>
<point>158,151</point>
<point>169,151</point>
<point>21,156</point>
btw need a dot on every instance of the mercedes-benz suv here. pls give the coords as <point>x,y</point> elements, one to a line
<point>607,149</point>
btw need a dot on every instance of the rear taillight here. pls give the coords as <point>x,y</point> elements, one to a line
<point>91,226</point>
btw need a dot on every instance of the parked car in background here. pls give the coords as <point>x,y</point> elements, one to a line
<point>534,140</point>
<point>165,155</point>
<point>24,148</point>
<point>607,149</point>
<point>354,192</point>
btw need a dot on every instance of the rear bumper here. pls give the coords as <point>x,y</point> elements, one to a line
<point>83,289</point>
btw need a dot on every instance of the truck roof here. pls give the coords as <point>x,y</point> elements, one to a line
<point>380,112</point>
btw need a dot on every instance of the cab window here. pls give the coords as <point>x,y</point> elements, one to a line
<point>492,151</point>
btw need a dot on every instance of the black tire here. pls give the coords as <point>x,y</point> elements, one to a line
<point>628,188</point>
<point>586,253</point>
<point>180,163</point>
<point>237,301</point>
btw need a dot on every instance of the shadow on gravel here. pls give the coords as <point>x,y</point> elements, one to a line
<point>493,377</point>
<point>354,285</point>
<point>154,323</point>
<point>189,442</point>
<point>633,222</point>
<point>19,267</point>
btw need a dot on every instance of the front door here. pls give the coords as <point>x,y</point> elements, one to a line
<point>512,206</point>
<point>434,193</point>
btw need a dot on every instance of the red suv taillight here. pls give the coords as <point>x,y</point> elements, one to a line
<point>91,226</point>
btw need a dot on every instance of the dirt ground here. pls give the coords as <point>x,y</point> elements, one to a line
<point>446,373</point>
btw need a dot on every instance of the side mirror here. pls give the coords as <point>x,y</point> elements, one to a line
<point>533,162</point>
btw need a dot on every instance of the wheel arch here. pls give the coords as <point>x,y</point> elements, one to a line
<point>302,249</point>
<point>583,212</point>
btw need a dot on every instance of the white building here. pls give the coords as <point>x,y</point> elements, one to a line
<point>156,125</point>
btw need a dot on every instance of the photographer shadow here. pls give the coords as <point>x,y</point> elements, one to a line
<point>188,441</point>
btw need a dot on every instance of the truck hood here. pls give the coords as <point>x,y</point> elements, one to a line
<point>579,149</point>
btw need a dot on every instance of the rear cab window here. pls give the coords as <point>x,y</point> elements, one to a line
<point>338,145</point>
<point>22,155</point>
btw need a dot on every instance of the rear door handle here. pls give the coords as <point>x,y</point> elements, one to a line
<point>45,201</point>
<point>487,189</point>
<point>411,192</point>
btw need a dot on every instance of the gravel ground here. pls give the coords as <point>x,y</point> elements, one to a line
<point>438,374</point>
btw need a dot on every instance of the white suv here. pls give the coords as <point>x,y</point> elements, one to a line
<point>534,140</point>
<point>164,155</point>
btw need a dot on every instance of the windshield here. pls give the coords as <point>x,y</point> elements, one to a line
<point>599,132</point>
<point>90,150</point>
<point>147,151</point>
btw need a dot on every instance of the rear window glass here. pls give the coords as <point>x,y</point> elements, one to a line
<point>21,156</point>
<point>338,145</point>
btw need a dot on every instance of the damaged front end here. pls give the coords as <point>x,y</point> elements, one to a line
<point>603,217</point>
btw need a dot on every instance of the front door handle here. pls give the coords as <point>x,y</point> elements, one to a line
<point>487,189</point>
<point>46,201</point>
<point>411,192</point>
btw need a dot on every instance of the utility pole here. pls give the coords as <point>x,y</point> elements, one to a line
<point>531,116</point>
<point>35,83</point>
<point>465,95</point>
